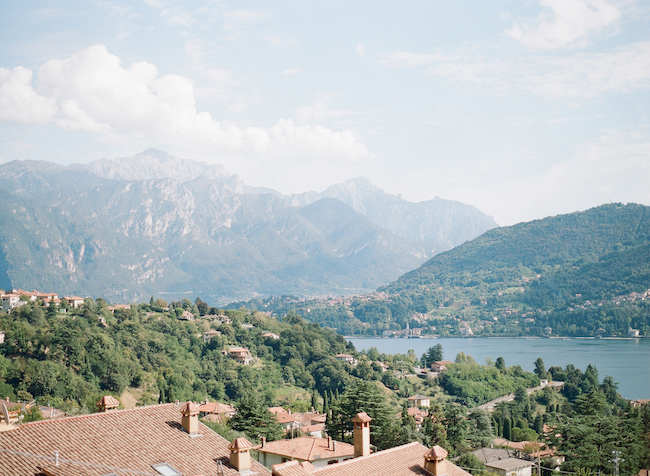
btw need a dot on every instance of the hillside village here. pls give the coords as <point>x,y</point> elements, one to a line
<point>310,385</point>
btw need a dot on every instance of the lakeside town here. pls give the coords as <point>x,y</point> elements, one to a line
<point>515,425</point>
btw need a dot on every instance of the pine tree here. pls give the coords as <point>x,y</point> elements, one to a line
<point>254,418</point>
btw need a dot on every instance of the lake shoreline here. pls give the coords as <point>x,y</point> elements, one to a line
<point>623,358</point>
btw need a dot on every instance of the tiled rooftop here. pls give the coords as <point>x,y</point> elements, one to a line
<point>123,442</point>
<point>405,460</point>
<point>308,449</point>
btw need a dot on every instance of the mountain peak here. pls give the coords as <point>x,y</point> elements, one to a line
<point>154,164</point>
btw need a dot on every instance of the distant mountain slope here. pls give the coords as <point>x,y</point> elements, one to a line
<point>571,239</point>
<point>157,225</point>
<point>580,274</point>
<point>444,222</point>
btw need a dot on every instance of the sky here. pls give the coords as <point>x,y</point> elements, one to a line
<point>522,108</point>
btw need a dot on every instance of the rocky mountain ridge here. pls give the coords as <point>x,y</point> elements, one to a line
<point>124,229</point>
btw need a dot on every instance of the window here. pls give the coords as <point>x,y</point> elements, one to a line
<point>166,469</point>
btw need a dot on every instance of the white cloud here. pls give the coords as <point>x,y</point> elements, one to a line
<point>177,16</point>
<point>565,23</point>
<point>621,70</point>
<point>404,58</point>
<point>18,100</point>
<point>321,109</point>
<point>92,91</point>
<point>577,76</point>
<point>360,49</point>
<point>292,71</point>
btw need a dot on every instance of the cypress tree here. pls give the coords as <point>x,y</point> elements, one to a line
<point>507,429</point>
<point>162,398</point>
<point>497,426</point>
<point>314,400</point>
<point>326,403</point>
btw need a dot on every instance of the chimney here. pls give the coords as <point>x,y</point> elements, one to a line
<point>190,419</point>
<point>108,403</point>
<point>361,434</point>
<point>334,445</point>
<point>263,441</point>
<point>434,461</point>
<point>240,456</point>
<point>329,442</point>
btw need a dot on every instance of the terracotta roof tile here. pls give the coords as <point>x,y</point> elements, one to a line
<point>240,444</point>
<point>307,448</point>
<point>108,401</point>
<point>190,408</point>
<point>121,440</point>
<point>405,460</point>
<point>437,453</point>
<point>362,418</point>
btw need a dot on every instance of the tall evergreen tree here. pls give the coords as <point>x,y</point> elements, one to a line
<point>540,368</point>
<point>254,418</point>
<point>364,396</point>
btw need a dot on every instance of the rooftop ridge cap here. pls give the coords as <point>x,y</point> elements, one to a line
<point>90,415</point>
<point>310,454</point>
<point>381,452</point>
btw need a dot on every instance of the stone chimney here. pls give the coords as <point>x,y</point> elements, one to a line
<point>108,403</point>
<point>190,420</point>
<point>361,434</point>
<point>434,461</point>
<point>240,455</point>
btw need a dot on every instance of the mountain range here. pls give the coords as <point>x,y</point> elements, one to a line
<point>157,225</point>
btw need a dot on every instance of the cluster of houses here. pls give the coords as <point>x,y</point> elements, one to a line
<point>18,297</point>
<point>169,440</point>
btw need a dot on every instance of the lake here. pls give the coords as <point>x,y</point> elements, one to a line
<point>627,360</point>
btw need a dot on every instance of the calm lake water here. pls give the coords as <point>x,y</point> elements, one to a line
<point>627,360</point>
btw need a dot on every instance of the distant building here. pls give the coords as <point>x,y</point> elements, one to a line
<point>440,365</point>
<point>318,451</point>
<point>271,335</point>
<point>74,301</point>
<point>10,301</point>
<point>208,335</point>
<point>240,355</point>
<point>215,411</point>
<point>633,332</point>
<point>420,401</point>
<point>406,460</point>
<point>347,358</point>
<point>186,316</point>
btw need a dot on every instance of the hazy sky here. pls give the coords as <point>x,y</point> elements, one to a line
<point>522,108</point>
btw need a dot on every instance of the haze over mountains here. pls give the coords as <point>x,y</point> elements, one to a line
<point>580,274</point>
<point>154,224</point>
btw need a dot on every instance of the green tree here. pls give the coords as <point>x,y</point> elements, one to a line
<point>434,354</point>
<point>254,418</point>
<point>364,396</point>
<point>540,369</point>
<point>479,431</point>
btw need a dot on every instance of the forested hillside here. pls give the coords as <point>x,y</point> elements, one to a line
<point>585,273</point>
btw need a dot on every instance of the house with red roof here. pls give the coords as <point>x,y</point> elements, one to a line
<point>318,451</point>
<point>153,440</point>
